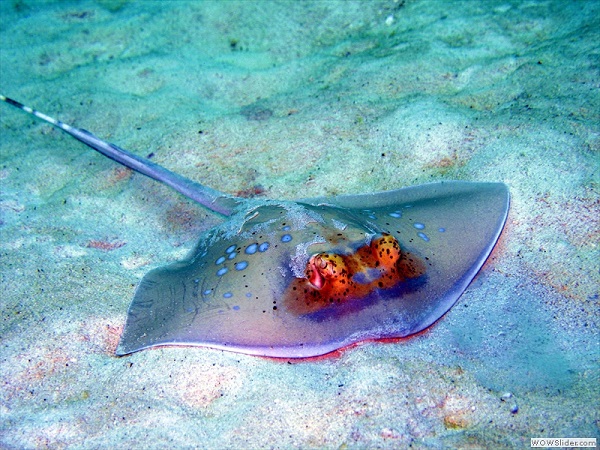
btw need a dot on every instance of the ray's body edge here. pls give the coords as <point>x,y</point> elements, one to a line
<point>465,281</point>
<point>163,318</point>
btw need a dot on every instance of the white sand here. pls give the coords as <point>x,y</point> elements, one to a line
<point>303,99</point>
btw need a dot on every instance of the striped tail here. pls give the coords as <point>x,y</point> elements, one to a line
<point>212,199</point>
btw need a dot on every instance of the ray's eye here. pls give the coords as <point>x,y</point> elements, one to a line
<point>323,267</point>
<point>386,250</point>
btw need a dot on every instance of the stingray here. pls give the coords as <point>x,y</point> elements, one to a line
<point>304,278</point>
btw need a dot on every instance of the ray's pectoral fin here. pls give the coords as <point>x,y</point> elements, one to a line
<point>166,300</point>
<point>333,279</point>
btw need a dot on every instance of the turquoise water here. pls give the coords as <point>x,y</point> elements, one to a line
<point>297,100</point>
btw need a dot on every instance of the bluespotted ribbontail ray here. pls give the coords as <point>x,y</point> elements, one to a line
<point>304,278</point>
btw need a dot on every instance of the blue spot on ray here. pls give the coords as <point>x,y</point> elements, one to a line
<point>286,238</point>
<point>222,271</point>
<point>241,265</point>
<point>423,236</point>
<point>219,261</point>
<point>263,247</point>
<point>418,225</point>
<point>251,249</point>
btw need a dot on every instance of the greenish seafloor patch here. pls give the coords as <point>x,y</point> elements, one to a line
<point>297,99</point>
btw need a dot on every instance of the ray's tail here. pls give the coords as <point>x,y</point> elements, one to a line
<point>212,199</point>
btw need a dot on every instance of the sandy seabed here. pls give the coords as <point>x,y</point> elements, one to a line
<point>294,100</point>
